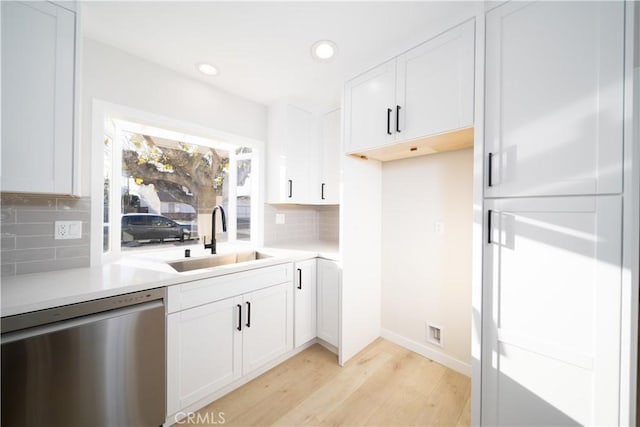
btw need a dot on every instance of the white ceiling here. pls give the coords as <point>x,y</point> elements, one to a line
<point>262,49</point>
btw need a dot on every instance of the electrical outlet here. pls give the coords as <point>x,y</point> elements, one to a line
<point>279,219</point>
<point>438,227</point>
<point>434,334</point>
<point>68,230</point>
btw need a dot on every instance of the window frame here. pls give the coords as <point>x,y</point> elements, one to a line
<point>132,120</point>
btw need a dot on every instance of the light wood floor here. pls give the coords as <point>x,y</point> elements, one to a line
<point>384,385</point>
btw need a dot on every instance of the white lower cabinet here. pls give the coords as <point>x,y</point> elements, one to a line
<point>204,351</point>
<point>212,345</point>
<point>329,278</point>
<point>268,326</point>
<point>305,301</point>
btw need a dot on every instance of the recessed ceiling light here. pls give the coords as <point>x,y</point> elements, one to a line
<point>324,50</point>
<point>207,69</point>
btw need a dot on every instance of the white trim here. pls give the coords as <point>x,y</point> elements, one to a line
<point>478,220</point>
<point>631,223</point>
<point>429,353</point>
<point>102,109</point>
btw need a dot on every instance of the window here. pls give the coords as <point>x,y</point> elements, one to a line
<point>160,188</point>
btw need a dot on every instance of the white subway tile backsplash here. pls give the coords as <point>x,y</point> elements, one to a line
<point>8,269</point>
<point>29,216</point>
<point>302,224</point>
<point>27,227</point>
<point>8,243</point>
<point>58,264</point>
<point>27,255</point>
<point>71,252</point>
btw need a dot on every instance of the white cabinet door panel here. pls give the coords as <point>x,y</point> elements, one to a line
<point>268,325</point>
<point>554,98</point>
<point>368,97</point>
<point>330,148</point>
<point>552,311</point>
<point>305,302</point>
<point>329,281</point>
<point>436,81</point>
<point>204,351</point>
<point>38,63</point>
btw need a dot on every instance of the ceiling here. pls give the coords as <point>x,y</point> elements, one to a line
<point>262,49</point>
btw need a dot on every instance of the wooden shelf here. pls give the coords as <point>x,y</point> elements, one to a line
<point>439,143</point>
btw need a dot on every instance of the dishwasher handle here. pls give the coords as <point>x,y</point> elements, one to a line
<point>79,321</point>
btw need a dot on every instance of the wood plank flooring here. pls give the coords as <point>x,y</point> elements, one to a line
<point>384,385</point>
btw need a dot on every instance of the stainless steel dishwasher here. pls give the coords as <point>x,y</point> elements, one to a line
<point>96,363</point>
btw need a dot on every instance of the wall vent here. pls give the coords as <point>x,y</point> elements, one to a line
<point>434,335</point>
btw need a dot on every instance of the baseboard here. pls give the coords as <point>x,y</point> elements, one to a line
<point>429,353</point>
<point>332,348</point>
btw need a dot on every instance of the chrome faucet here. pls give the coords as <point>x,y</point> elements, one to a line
<point>212,245</point>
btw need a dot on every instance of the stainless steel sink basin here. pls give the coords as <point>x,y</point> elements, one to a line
<point>216,261</point>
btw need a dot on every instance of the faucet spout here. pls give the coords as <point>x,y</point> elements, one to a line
<point>212,245</point>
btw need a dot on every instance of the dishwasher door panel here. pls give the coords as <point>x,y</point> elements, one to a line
<point>105,369</point>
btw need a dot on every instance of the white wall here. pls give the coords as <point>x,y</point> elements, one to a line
<point>426,276</point>
<point>115,76</point>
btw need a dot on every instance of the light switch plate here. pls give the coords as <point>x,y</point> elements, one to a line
<point>68,230</point>
<point>279,219</point>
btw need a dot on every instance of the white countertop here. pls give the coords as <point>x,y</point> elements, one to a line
<point>327,250</point>
<point>146,270</point>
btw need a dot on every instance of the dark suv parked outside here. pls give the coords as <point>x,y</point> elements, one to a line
<point>142,226</point>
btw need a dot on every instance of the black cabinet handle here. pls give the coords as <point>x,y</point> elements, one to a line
<point>248,314</point>
<point>389,121</point>
<point>490,170</point>
<point>322,191</point>
<point>290,188</point>
<point>398,119</point>
<point>299,278</point>
<point>489,214</point>
<point>239,327</point>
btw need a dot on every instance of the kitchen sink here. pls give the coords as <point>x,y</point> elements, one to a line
<point>216,261</point>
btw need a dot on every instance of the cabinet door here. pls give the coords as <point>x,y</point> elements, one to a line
<point>330,147</point>
<point>329,280</point>
<point>369,103</point>
<point>436,83</point>
<point>38,59</point>
<point>551,328</point>
<point>305,302</point>
<point>297,148</point>
<point>290,139</point>
<point>204,351</point>
<point>268,325</point>
<point>554,98</point>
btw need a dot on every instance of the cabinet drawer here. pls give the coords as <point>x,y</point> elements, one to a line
<point>198,292</point>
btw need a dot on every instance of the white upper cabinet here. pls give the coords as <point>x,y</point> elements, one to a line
<point>38,79</point>
<point>369,105</point>
<point>418,95</point>
<point>330,150</point>
<point>435,84</point>
<point>554,98</point>
<point>303,156</point>
<point>290,133</point>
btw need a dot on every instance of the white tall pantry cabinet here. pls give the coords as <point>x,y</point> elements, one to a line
<point>552,267</point>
